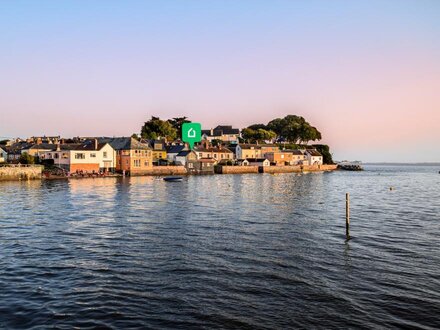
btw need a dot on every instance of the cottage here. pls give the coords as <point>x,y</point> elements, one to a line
<point>205,165</point>
<point>184,156</point>
<point>39,149</point>
<point>243,151</point>
<point>314,157</point>
<point>159,150</point>
<point>89,156</point>
<point>258,162</point>
<point>218,153</point>
<point>242,162</point>
<point>224,133</point>
<point>173,151</point>
<point>132,156</point>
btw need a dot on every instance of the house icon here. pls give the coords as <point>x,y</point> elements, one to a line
<point>191,133</point>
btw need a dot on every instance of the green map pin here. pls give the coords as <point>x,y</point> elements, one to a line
<point>191,133</point>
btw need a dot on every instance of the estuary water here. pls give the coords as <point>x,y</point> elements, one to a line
<point>254,251</point>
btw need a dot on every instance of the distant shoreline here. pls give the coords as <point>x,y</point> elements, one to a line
<point>404,164</point>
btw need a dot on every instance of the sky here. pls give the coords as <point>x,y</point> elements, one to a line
<point>365,73</point>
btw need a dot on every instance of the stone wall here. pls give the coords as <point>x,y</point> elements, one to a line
<point>161,170</point>
<point>22,172</point>
<point>298,168</point>
<point>222,169</point>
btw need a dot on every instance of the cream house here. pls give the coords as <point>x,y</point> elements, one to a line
<point>244,151</point>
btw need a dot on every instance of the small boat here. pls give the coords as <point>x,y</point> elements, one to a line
<point>173,178</point>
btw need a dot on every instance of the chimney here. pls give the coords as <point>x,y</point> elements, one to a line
<point>96,144</point>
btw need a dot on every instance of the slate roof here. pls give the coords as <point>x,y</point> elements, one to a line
<point>255,160</point>
<point>212,149</point>
<point>43,146</point>
<point>124,143</point>
<point>175,149</point>
<point>313,152</point>
<point>183,153</point>
<point>294,152</point>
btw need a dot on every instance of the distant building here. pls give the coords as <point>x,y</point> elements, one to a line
<point>132,156</point>
<point>314,157</point>
<point>205,165</point>
<point>159,150</point>
<point>185,157</point>
<point>38,149</point>
<point>173,151</point>
<point>224,133</point>
<point>218,153</point>
<point>286,157</point>
<point>44,139</point>
<point>3,156</point>
<point>89,156</point>
<point>243,151</point>
<point>258,162</point>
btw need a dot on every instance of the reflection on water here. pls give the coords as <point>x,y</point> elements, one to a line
<point>230,251</point>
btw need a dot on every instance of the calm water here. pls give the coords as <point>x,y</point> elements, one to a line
<point>232,251</point>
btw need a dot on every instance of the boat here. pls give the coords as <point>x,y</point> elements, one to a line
<point>173,178</point>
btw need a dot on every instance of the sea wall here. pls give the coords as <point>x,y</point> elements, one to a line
<point>20,172</point>
<point>298,168</point>
<point>222,169</point>
<point>161,170</point>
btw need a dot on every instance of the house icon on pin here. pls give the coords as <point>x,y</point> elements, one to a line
<point>191,133</point>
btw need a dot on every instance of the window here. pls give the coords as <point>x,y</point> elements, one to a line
<point>65,155</point>
<point>222,156</point>
<point>105,154</point>
<point>146,164</point>
<point>215,156</point>
<point>56,155</point>
<point>80,156</point>
<point>93,155</point>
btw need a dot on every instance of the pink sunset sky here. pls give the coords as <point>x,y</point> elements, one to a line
<point>367,74</point>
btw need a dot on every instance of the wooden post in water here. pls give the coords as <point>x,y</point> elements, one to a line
<point>347,215</point>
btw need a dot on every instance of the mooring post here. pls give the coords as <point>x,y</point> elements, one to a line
<point>347,215</point>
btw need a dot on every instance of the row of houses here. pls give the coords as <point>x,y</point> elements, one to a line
<point>134,157</point>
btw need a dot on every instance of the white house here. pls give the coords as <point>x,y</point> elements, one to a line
<point>313,157</point>
<point>3,156</point>
<point>87,157</point>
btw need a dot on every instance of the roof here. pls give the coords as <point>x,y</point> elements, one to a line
<point>90,145</point>
<point>124,143</point>
<point>175,149</point>
<point>313,152</point>
<point>295,152</point>
<point>221,130</point>
<point>257,146</point>
<point>183,153</point>
<point>212,149</point>
<point>207,160</point>
<point>255,160</point>
<point>227,129</point>
<point>43,146</point>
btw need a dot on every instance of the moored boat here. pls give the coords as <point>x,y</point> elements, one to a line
<point>173,178</point>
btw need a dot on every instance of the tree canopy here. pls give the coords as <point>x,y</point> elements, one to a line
<point>177,123</point>
<point>156,128</point>
<point>257,135</point>
<point>294,129</point>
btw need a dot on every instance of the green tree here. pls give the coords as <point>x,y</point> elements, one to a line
<point>294,129</point>
<point>264,135</point>
<point>25,158</point>
<point>156,128</point>
<point>177,123</point>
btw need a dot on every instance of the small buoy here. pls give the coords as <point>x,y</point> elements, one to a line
<point>391,188</point>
